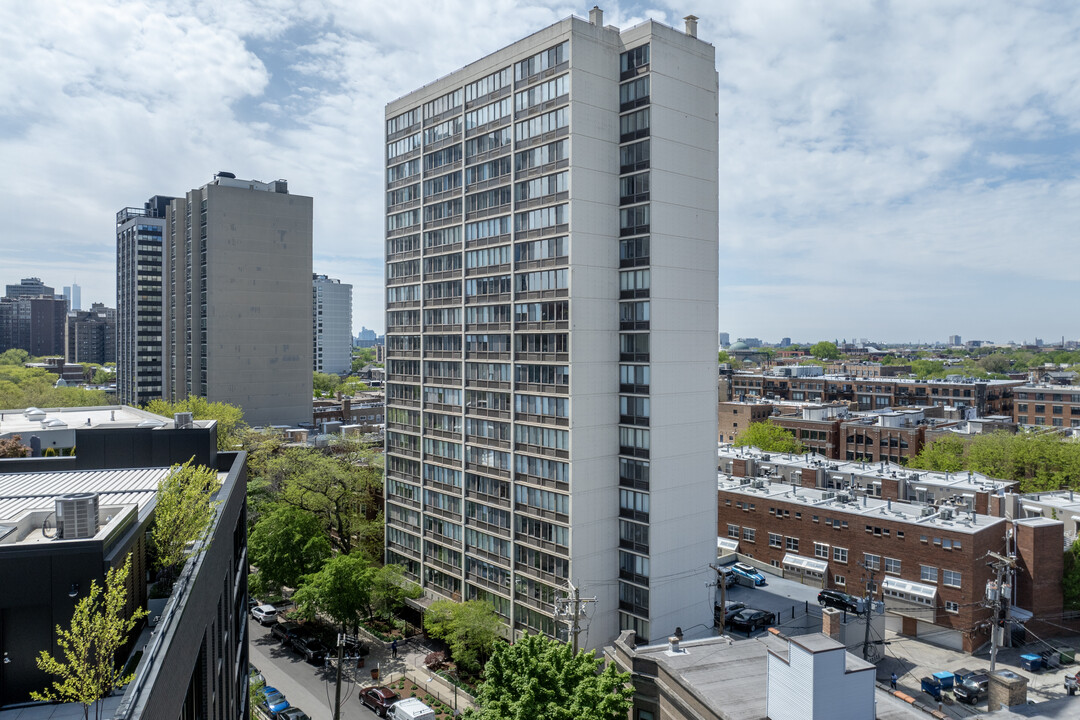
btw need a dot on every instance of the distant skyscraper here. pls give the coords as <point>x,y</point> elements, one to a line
<point>955,340</point>
<point>29,287</point>
<point>785,342</point>
<point>331,319</point>
<point>139,330</point>
<point>73,294</point>
<point>237,288</point>
<point>551,329</point>
<point>725,339</point>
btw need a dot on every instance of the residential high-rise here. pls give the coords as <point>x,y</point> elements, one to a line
<point>140,355</point>
<point>331,324</point>
<point>237,298</point>
<point>91,335</point>
<point>34,324</point>
<point>551,291</point>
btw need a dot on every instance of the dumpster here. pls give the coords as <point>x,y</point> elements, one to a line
<point>959,676</point>
<point>1067,655</point>
<point>1031,662</point>
<point>932,687</point>
<point>945,679</point>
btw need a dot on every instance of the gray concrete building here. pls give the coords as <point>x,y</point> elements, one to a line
<point>91,335</point>
<point>331,324</point>
<point>237,298</point>
<point>139,329</point>
<point>551,299</point>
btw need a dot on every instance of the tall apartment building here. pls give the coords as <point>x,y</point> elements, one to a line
<point>29,287</point>
<point>91,335</point>
<point>551,329</point>
<point>140,357</point>
<point>34,324</point>
<point>237,298</point>
<point>331,324</point>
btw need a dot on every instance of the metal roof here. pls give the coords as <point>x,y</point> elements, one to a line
<point>38,490</point>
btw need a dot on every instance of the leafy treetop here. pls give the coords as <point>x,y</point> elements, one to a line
<point>770,438</point>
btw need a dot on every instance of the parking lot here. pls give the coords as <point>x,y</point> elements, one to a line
<point>795,605</point>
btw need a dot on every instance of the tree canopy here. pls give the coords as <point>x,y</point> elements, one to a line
<point>12,447</point>
<point>23,387</point>
<point>537,678</point>
<point>87,668</point>
<point>230,418</point>
<point>825,350</point>
<point>470,628</point>
<point>182,515</point>
<point>286,544</point>
<point>770,438</point>
<point>1039,461</point>
<point>340,589</point>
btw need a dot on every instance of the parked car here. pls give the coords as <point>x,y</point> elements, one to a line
<point>838,600</point>
<point>379,699</point>
<point>265,614</point>
<point>293,713</point>
<point>273,701</point>
<point>973,689</point>
<point>731,607</point>
<point>311,648</point>
<point>285,631</point>
<point>728,575</point>
<point>748,572</point>
<point>751,619</point>
<point>254,676</point>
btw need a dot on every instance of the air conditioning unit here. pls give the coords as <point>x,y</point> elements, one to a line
<point>77,516</point>
<point>184,420</point>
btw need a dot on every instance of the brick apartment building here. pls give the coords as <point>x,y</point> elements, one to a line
<point>734,417</point>
<point>987,397</point>
<point>925,535</point>
<point>1045,404</point>
<point>866,369</point>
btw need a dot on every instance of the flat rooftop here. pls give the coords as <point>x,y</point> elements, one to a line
<point>863,507</point>
<point>28,420</point>
<point>730,676</point>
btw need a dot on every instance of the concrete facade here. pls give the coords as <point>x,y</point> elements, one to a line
<point>551,297</point>
<point>331,325</point>
<point>238,299</point>
<point>91,335</point>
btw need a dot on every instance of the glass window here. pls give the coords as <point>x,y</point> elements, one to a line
<point>634,58</point>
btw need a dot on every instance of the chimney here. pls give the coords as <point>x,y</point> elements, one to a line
<point>596,16</point>
<point>691,25</point>
<point>673,644</point>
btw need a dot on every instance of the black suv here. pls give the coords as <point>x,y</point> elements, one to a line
<point>973,689</point>
<point>285,631</point>
<point>311,648</point>
<point>838,600</point>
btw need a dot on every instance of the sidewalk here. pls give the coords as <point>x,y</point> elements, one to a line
<point>410,665</point>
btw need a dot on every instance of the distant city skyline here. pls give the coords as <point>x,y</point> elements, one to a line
<point>906,171</point>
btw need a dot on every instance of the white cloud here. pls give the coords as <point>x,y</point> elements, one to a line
<point>919,154</point>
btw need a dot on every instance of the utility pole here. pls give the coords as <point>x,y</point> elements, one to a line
<point>721,580</point>
<point>868,609</point>
<point>340,659</point>
<point>996,599</point>
<point>572,606</point>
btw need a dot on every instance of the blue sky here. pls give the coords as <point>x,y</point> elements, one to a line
<point>892,170</point>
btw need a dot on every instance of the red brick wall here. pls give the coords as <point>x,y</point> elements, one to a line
<point>1040,564</point>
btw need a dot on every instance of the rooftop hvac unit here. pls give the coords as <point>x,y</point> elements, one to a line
<point>77,516</point>
<point>184,421</point>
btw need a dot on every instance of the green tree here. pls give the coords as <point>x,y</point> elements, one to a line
<point>471,629</point>
<point>825,350</point>
<point>944,455</point>
<point>927,369</point>
<point>14,356</point>
<point>99,627</point>
<point>1070,581</point>
<point>362,357</point>
<point>770,438</point>
<point>182,516</point>
<point>390,588</point>
<point>995,363</point>
<point>103,377</point>
<point>230,418</point>
<point>22,387</point>
<point>286,544</point>
<point>325,383</point>
<point>723,357</point>
<point>341,590</point>
<point>537,678</point>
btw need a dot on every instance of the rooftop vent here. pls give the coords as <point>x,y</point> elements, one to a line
<point>184,421</point>
<point>77,516</point>
<point>691,25</point>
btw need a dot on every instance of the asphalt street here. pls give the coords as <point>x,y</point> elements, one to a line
<point>306,686</point>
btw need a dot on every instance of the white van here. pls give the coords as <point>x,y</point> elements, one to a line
<point>410,709</point>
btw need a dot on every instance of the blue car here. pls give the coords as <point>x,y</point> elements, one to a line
<point>274,701</point>
<point>749,572</point>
